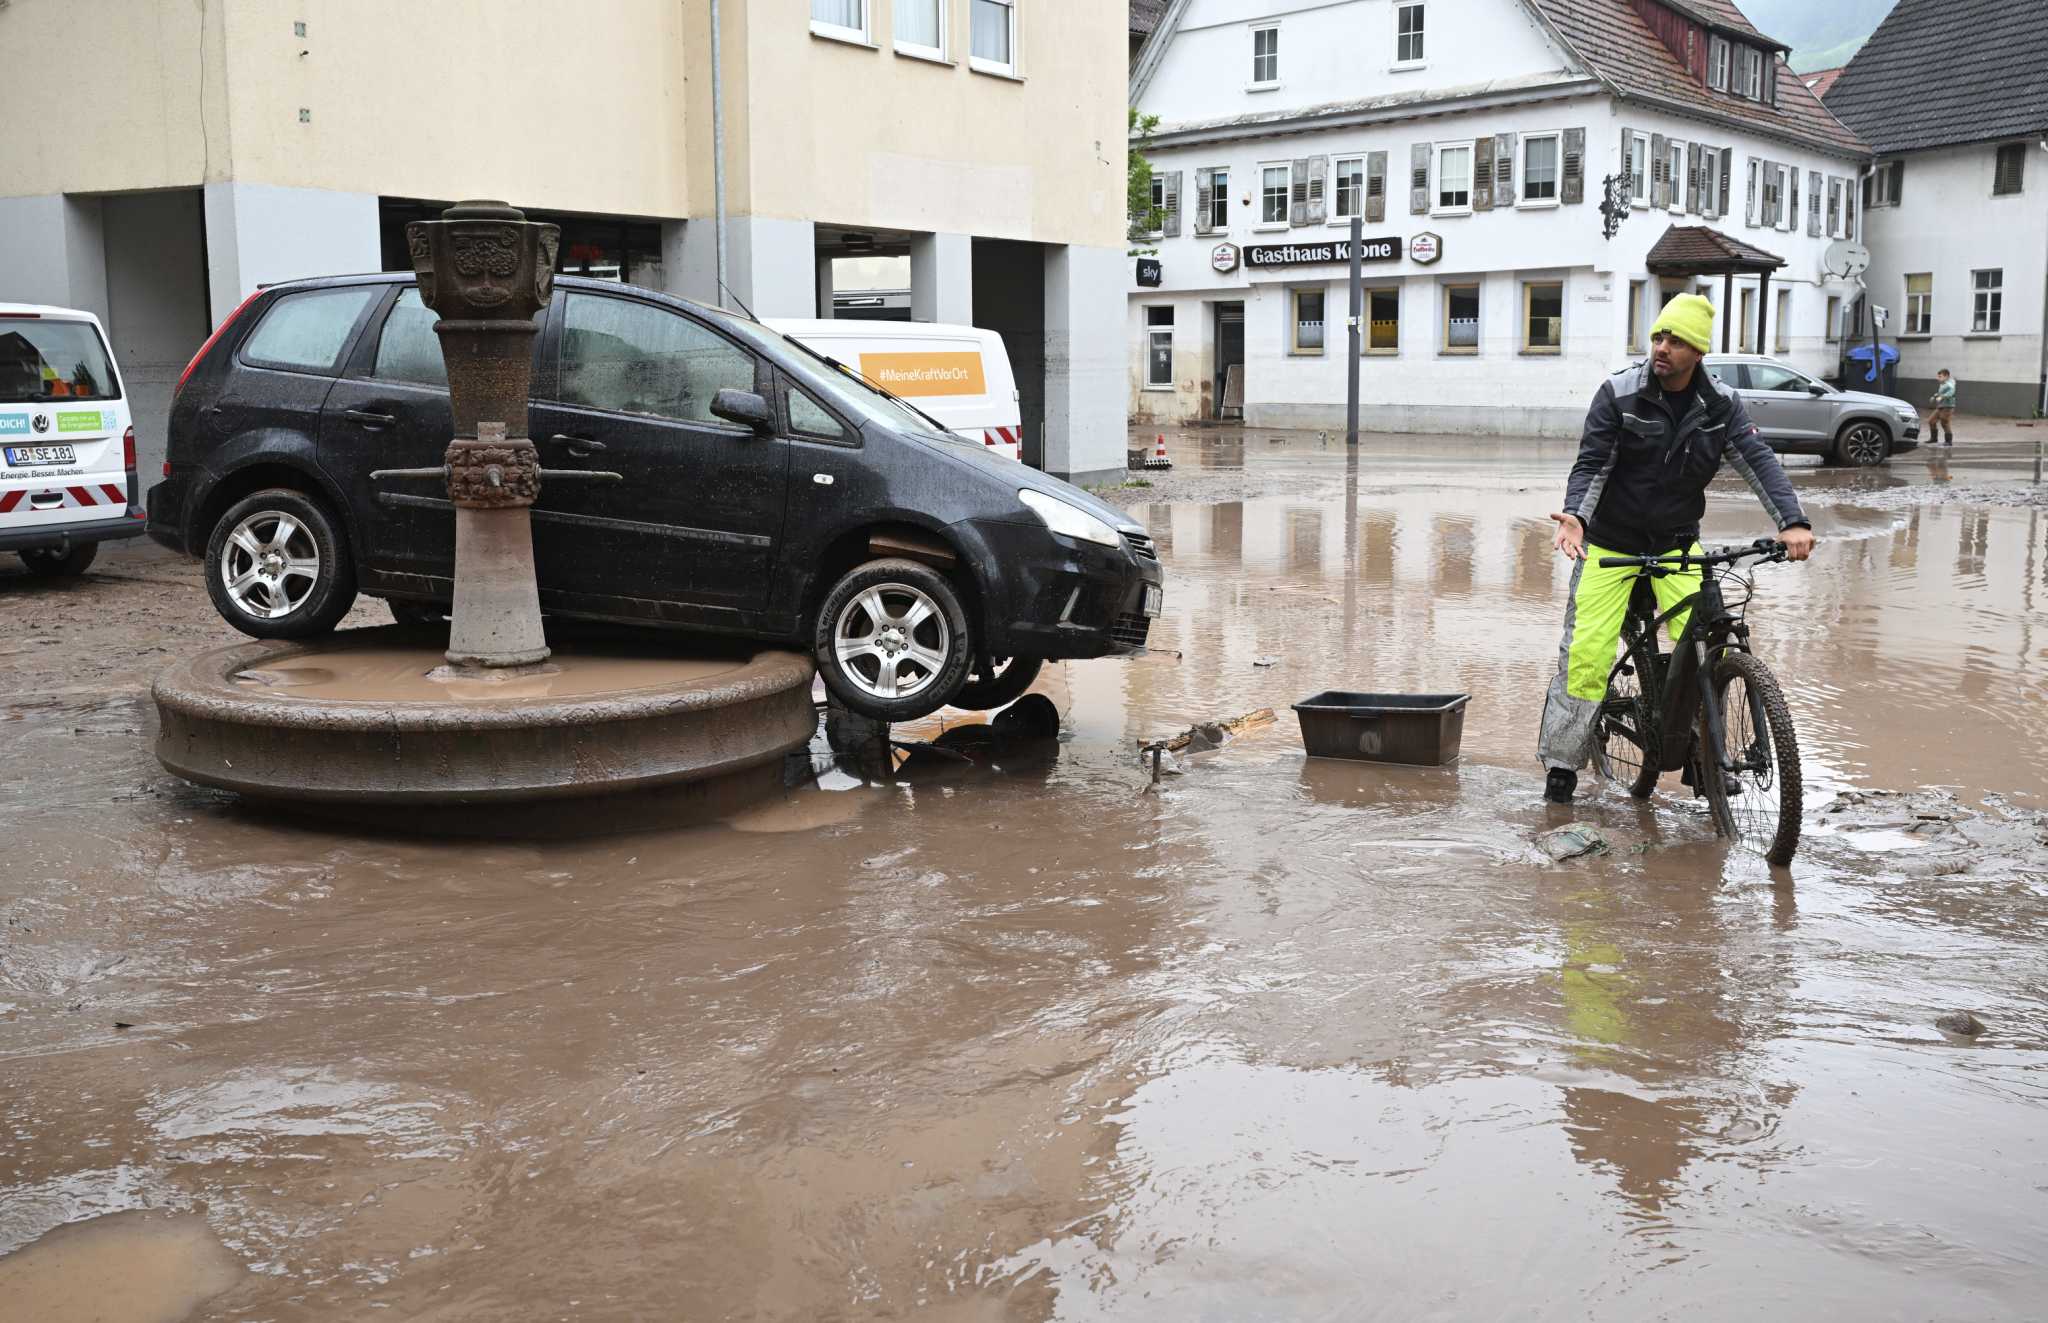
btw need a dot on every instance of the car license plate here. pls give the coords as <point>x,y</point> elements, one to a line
<point>1154,599</point>
<point>21,456</point>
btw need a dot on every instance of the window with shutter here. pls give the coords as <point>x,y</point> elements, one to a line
<point>1503,169</point>
<point>1725,195</point>
<point>1692,178</point>
<point>1791,199</point>
<point>1482,175</point>
<point>1574,166</point>
<point>1660,182</point>
<point>1170,206</point>
<point>1750,211</point>
<point>1418,174</point>
<point>1376,186</point>
<point>1205,199</point>
<point>1318,189</point>
<point>1297,205</point>
<point>1813,204</point>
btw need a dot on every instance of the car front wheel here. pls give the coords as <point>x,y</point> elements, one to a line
<point>892,641</point>
<point>277,567</point>
<point>1863,444</point>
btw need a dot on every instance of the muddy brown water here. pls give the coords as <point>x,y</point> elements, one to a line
<point>1007,1038</point>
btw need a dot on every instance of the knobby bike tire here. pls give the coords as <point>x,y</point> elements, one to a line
<point>1632,687</point>
<point>1766,816</point>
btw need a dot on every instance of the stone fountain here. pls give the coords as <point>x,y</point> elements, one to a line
<point>374,720</point>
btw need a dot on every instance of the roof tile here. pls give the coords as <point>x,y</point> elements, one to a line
<point>1940,73</point>
<point>1615,42</point>
<point>1701,247</point>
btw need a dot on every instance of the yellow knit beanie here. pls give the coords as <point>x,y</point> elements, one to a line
<point>1689,317</point>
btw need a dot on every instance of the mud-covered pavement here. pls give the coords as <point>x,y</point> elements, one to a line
<point>1014,1039</point>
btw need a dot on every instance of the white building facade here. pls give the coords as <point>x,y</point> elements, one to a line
<point>1475,139</point>
<point>1958,200</point>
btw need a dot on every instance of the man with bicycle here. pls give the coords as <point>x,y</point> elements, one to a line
<point>1656,435</point>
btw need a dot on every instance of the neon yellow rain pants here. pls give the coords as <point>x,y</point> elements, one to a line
<point>1592,639</point>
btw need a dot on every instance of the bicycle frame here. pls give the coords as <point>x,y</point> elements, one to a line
<point>1709,632</point>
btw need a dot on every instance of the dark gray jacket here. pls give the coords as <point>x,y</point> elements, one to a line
<point>1640,483</point>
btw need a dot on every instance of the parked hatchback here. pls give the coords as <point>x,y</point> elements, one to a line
<point>763,493</point>
<point>1802,415</point>
<point>67,444</point>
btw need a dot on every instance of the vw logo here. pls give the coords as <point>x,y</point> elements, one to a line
<point>41,422</point>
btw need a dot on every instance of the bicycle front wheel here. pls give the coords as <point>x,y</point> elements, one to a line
<point>1759,804</point>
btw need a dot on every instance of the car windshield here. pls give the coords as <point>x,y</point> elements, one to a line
<point>839,381</point>
<point>43,360</point>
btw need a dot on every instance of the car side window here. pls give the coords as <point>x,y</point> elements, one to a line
<point>407,348</point>
<point>305,332</point>
<point>1726,374</point>
<point>1764,376</point>
<point>809,418</point>
<point>632,357</point>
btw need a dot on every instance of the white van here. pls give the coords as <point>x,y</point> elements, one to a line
<point>960,375</point>
<point>67,442</point>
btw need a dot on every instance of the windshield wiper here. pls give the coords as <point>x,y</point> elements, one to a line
<point>882,391</point>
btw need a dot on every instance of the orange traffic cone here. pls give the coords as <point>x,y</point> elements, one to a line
<point>1159,459</point>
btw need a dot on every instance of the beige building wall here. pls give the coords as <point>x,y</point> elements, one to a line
<point>587,115</point>
<point>135,81</point>
<point>857,136</point>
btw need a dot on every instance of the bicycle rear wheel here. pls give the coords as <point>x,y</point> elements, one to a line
<point>1630,751</point>
<point>1762,811</point>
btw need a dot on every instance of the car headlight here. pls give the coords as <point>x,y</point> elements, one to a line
<point>1069,520</point>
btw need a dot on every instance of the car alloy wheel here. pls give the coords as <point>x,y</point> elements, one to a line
<point>892,641</point>
<point>277,565</point>
<point>1866,444</point>
<point>270,564</point>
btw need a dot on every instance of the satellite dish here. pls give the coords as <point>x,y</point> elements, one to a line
<point>1845,259</point>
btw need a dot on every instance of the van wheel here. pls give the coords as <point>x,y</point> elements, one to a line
<point>891,640</point>
<point>277,566</point>
<point>1005,683</point>
<point>49,563</point>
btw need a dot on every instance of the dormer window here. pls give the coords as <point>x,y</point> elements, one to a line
<point>1717,63</point>
<point>1752,73</point>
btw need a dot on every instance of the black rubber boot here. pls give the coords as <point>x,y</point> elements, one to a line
<point>1559,785</point>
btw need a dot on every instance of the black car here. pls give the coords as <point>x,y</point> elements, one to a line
<point>766,493</point>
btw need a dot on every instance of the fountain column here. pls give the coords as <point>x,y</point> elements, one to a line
<point>487,270</point>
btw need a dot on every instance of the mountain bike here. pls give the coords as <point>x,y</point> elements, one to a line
<point>1709,707</point>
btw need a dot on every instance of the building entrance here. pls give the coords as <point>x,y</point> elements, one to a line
<point>1228,387</point>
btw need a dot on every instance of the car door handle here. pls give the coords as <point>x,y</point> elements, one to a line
<point>579,446</point>
<point>369,418</point>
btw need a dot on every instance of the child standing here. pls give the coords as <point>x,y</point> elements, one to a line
<point>1943,415</point>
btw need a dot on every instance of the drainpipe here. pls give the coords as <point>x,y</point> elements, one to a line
<point>1869,307</point>
<point>2041,396</point>
<point>718,155</point>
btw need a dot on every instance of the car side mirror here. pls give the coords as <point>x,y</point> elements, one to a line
<point>743,407</point>
<point>1815,388</point>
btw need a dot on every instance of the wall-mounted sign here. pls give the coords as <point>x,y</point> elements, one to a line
<point>1307,254</point>
<point>1426,248</point>
<point>1223,257</point>
<point>1150,272</point>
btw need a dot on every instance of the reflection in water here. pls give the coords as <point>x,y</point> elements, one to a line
<point>1454,542</point>
<point>1536,561</point>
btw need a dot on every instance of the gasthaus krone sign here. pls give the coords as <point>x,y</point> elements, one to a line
<point>1308,254</point>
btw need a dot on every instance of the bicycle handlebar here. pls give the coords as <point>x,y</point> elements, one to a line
<point>1764,547</point>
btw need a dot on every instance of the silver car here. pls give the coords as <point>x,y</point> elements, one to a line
<point>1802,415</point>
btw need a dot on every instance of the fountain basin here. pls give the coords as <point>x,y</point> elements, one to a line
<point>374,717</point>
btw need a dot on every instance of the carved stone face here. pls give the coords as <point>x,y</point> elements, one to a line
<point>485,259</point>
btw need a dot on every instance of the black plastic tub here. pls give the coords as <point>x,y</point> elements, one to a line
<point>1419,729</point>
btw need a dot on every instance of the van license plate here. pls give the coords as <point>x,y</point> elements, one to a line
<point>1154,599</point>
<point>22,456</point>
